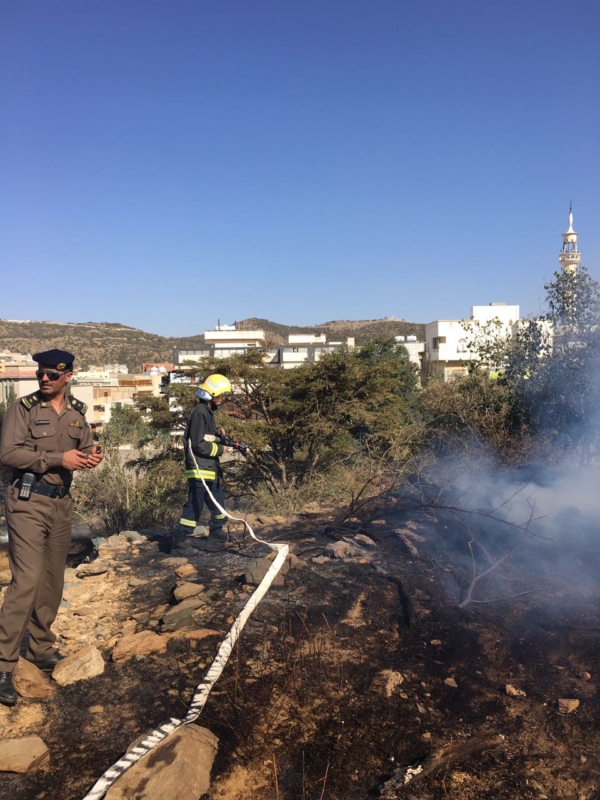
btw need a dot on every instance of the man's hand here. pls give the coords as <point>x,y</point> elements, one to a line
<point>221,431</point>
<point>74,459</point>
<point>95,457</point>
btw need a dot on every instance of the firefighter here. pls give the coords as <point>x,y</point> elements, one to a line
<point>201,432</point>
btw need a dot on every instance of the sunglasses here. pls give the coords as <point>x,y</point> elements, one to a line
<point>50,374</point>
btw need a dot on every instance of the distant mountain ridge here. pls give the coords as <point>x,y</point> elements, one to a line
<point>98,343</point>
<point>362,329</point>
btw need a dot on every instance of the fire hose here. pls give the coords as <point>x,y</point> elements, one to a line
<point>213,674</point>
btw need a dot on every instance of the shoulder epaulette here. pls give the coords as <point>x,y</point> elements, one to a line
<point>31,400</point>
<point>78,405</point>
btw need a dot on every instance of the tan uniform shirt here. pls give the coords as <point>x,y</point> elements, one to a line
<point>34,439</point>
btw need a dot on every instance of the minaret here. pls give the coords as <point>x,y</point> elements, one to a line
<point>570,256</point>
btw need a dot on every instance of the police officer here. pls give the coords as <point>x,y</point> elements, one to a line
<point>45,438</point>
<point>201,432</point>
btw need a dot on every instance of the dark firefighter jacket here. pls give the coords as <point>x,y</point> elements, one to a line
<point>201,431</point>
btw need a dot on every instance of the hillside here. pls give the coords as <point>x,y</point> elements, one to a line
<point>363,329</point>
<point>97,343</point>
<point>94,343</point>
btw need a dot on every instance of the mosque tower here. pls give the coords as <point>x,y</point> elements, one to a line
<point>570,256</point>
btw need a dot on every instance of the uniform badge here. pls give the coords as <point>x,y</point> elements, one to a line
<point>60,366</point>
<point>75,425</point>
<point>42,422</point>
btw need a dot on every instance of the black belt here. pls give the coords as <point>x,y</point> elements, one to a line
<point>47,489</point>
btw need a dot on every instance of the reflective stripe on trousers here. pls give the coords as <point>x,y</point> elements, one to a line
<point>197,497</point>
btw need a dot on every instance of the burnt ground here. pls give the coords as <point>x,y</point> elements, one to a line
<point>297,710</point>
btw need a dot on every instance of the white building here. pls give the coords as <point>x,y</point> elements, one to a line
<point>415,349</point>
<point>447,341</point>
<point>305,348</point>
<point>223,342</point>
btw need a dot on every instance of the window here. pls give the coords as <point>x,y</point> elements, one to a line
<point>461,347</point>
<point>295,350</point>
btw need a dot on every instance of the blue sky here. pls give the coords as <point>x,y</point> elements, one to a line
<point>165,164</point>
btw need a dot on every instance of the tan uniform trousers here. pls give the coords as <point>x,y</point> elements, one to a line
<point>39,534</point>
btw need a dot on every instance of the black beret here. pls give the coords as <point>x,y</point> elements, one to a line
<point>59,359</point>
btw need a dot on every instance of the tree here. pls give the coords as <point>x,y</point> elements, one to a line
<point>126,426</point>
<point>559,383</point>
<point>303,424</point>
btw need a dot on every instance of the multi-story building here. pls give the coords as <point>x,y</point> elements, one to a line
<point>17,376</point>
<point>449,342</point>
<point>101,391</point>
<point>414,348</point>
<point>223,342</point>
<point>305,349</point>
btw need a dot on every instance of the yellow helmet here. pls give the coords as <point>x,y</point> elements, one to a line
<point>216,385</point>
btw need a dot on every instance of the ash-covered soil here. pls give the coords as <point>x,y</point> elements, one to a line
<point>302,710</point>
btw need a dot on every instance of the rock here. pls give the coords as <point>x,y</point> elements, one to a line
<point>567,706</point>
<point>133,582</point>
<point>5,576</point>
<point>190,602</point>
<point>295,562</point>
<point>175,622</point>
<point>378,522</point>
<point>421,709</point>
<point>71,575</point>
<point>88,611</point>
<point>321,559</point>
<point>585,676</point>
<point>513,691</point>
<point>22,755</point>
<point>97,567</point>
<point>132,536</point>
<point>185,571</point>
<point>258,568</point>
<point>128,627</point>
<point>178,768</point>
<point>29,681</point>
<point>344,549</point>
<point>387,682</point>
<point>173,561</point>
<point>3,560</point>
<point>436,642</point>
<point>280,520</point>
<point>180,616</point>
<point>87,663</point>
<point>185,590</point>
<point>117,538</point>
<point>197,634</point>
<point>98,540</point>
<point>138,644</point>
<point>451,682</point>
<point>113,548</point>
<point>96,709</point>
<point>365,540</point>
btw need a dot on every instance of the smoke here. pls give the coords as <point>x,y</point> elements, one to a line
<point>547,518</point>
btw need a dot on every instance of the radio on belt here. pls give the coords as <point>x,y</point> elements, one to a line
<point>27,482</point>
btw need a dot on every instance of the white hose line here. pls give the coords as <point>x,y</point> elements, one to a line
<point>203,689</point>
